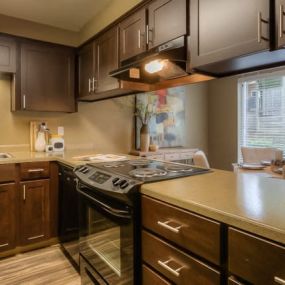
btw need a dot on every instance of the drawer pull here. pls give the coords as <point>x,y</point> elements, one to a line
<point>167,226</point>
<point>279,280</point>
<point>36,170</point>
<point>165,265</point>
<point>5,244</point>
<point>35,237</point>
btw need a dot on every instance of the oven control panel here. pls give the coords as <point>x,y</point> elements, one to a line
<point>105,180</point>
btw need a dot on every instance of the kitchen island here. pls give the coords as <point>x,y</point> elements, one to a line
<point>216,228</point>
<point>250,201</point>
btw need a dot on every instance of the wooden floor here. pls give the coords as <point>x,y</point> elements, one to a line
<point>38,267</point>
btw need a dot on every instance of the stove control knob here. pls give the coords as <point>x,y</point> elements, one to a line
<point>85,170</point>
<point>116,181</point>
<point>124,184</point>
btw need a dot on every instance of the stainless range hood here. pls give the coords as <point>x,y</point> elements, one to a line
<point>167,61</point>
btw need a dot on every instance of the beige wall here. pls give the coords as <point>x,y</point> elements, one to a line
<point>197,116</point>
<point>222,122</point>
<point>110,13</point>
<point>105,126</point>
<point>24,28</point>
<point>28,29</point>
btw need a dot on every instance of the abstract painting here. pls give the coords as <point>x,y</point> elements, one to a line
<point>166,110</point>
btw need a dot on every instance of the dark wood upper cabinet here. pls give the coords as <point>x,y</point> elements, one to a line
<point>280,23</point>
<point>47,78</point>
<point>34,211</point>
<point>7,54</point>
<point>133,35</point>
<point>166,21</point>
<point>86,69</point>
<point>107,59</point>
<point>225,29</point>
<point>8,216</point>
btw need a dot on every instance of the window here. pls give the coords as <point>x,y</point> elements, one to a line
<point>262,111</point>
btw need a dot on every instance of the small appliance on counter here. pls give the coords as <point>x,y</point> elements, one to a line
<point>57,143</point>
<point>109,216</point>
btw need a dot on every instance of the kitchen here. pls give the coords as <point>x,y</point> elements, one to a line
<point>83,71</point>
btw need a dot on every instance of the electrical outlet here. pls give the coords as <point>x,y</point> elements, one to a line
<point>60,131</point>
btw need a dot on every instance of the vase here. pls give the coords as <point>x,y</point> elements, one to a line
<point>144,138</point>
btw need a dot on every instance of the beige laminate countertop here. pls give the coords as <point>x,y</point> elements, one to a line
<point>251,201</point>
<point>66,157</point>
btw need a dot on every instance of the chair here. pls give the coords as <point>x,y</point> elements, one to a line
<point>200,159</point>
<point>258,154</point>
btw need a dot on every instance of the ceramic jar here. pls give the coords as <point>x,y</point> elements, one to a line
<point>144,138</point>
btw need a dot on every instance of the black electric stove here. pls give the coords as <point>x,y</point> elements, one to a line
<point>110,216</point>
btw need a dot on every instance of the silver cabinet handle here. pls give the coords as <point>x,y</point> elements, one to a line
<point>67,178</point>
<point>89,85</point>
<point>259,28</point>
<point>24,101</point>
<point>279,280</point>
<point>167,226</point>
<point>139,38</point>
<point>36,170</point>
<point>94,84</point>
<point>281,18</point>
<point>24,192</point>
<point>5,244</point>
<point>165,265</point>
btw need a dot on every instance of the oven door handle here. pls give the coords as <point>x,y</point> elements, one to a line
<point>107,208</point>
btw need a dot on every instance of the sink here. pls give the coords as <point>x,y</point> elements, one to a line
<point>4,155</point>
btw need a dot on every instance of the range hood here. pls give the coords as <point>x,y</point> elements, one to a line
<point>167,61</point>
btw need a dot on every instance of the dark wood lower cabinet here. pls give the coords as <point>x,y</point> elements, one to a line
<point>180,268</point>
<point>34,211</point>
<point>233,281</point>
<point>256,260</point>
<point>150,277</point>
<point>7,216</point>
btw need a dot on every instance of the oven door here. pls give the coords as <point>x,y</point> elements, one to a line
<point>107,237</point>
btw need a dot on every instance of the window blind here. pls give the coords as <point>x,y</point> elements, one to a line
<point>262,111</point>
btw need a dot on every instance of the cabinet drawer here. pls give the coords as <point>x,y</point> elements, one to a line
<point>172,156</point>
<point>195,233</point>
<point>34,170</point>
<point>186,155</point>
<point>150,277</point>
<point>256,260</point>
<point>177,266</point>
<point>156,156</point>
<point>7,172</point>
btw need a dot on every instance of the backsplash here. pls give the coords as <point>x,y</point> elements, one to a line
<point>106,126</point>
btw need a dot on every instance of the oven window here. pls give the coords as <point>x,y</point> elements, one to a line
<point>104,239</point>
<point>106,243</point>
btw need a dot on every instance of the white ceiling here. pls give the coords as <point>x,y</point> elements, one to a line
<point>67,14</point>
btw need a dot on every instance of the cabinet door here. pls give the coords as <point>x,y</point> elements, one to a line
<point>7,216</point>
<point>132,35</point>
<point>167,21</point>
<point>34,211</point>
<point>69,216</point>
<point>107,60</point>
<point>224,29</point>
<point>86,67</point>
<point>279,23</point>
<point>47,78</point>
<point>7,55</point>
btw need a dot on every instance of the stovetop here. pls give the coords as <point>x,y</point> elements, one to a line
<point>149,170</point>
<point>122,179</point>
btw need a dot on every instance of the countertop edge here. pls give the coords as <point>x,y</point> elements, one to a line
<point>248,225</point>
